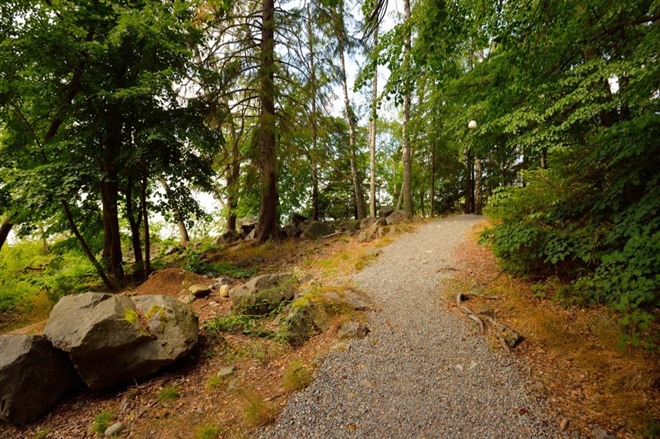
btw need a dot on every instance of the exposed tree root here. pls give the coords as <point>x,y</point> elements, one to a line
<point>506,336</point>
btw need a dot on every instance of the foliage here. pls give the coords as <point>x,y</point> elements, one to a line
<point>102,421</point>
<point>30,278</point>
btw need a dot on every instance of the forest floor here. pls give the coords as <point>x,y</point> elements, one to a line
<point>569,364</point>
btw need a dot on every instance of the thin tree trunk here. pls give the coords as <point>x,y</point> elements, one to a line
<point>145,218</point>
<point>313,152</point>
<point>479,191</point>
<point>5,228</point>
<point>372,134</point>
<point>183,230</point>
<point>432,194</point>
<point>350,119</point>
<point>268,220</point>
<point>99,269</point>
<point>134,224</point>
<point>469,187</point>
<point>407,156</point>
<point>233,175</point>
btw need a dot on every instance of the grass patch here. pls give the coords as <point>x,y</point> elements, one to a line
<point>41,434</point>
<point>258,412</point>
<point>209,432</point>
<point>102,421</point>
<point>169,393</point>
<point>297,376</point>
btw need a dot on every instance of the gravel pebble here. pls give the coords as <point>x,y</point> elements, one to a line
<point>421,372</point>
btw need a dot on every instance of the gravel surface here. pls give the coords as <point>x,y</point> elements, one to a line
<point>421,372</point>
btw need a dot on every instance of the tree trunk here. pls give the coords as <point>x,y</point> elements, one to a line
<point>112,239</point>
<point>5,228</point>
<point>112,255</point>
<point>145,218</point>
<point>233,175</point>
<point>134,220</point>
<point>407,156</point>
<point>183,230</point>
<point>268,220</point>
<point>372,135</point>
<point>479,190</point>
<point>313,152</point>
<point>469,187</point>
<point>350,117</point>
<point>99,269</point>
<point>432,194</point>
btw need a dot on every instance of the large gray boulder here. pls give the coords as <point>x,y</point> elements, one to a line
<point>385,211</point>
<point>370,232</point>
<point>397,217</point>
<point>317,229</point>
<point>114,340</point>
<point>33,377</point>
<point>310,314</point>
<point>262,294</point>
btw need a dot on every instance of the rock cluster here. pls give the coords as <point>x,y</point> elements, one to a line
<point>106,340</point>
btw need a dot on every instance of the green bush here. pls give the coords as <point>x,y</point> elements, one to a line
<point>600,240</point>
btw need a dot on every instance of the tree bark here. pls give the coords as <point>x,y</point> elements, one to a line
<point>432,194</point>
<point>372,134</point>
<point>350,119</point>
<point>183,230</point>
<point>268,220</point>
<point>5,228</point>
<point>469,186</point>
<point>112,255</point>
<point>407,156</point>
<point>479,190</point>
<point>145,218</point>
<point>134,220</point>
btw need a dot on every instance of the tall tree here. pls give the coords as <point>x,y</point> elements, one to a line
<point>268,217</point>
<point>407,153</point>
<point>342,46</point>
<point>372,128</point>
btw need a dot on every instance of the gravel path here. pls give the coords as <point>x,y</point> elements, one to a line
<point>420,373</point>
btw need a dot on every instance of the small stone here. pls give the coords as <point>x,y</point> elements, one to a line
<point>233,385</point>
<point>459,367</point>
<point>352,329</point>
<point>214,304</point>
<point>115,428</point>
<point>601,433</point>
<point>224,291</point>
<point>199,290</point>
<point>341,346</point>
<point>226,371</point>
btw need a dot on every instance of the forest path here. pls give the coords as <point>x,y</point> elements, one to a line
<point>422,372</point>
